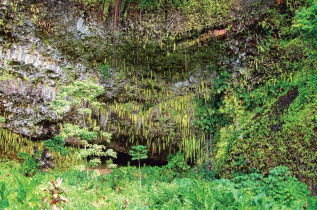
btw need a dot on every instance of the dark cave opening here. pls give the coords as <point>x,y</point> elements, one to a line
<point>123,159</point>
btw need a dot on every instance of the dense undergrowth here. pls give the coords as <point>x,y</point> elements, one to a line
<point>167,187</point>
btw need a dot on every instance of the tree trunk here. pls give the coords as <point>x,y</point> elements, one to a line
<point>87,166</point>
<point>140,173</point>
<point>116,15</point>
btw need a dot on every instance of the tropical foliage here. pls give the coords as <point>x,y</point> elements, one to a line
<point>269,107</point>
<point>240,135</point>
<point>163,188</point>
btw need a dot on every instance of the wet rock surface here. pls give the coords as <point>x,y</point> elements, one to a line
<point>49,44</point>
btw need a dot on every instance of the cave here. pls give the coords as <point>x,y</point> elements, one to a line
<point>123,159</point>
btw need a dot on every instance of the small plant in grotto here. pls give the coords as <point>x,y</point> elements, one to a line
<point>89,150</point>
<point>55,191</point>
<point>139,152</point>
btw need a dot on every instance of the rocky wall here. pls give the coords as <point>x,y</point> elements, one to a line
<point>156,60</point>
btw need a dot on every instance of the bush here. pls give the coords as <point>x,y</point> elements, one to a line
<point>57,144</point>
<point>105,70</point>
<point>177,163</point>
<point>279,185</point>
<point>30,165</point>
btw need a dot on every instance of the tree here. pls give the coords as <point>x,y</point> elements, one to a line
<point>139,152</point>
<point>76,97</point>
<point>116,16</point>
<point>94,150</point>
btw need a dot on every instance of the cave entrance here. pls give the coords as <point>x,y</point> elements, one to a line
<point>123,159</point>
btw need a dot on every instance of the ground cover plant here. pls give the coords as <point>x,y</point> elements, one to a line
<point>162,188</point>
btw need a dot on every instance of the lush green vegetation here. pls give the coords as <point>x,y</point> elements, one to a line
<point>163,188</point>
<point>267,116</point>
<point>248,132</point>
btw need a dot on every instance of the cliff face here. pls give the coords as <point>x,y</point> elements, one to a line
<point>152,66</point>
<point>155,60</point>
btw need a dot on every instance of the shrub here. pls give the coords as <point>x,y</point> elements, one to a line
<point>279,185</point>
<point>177,163</point>
<point>30,165</point>
<point>57,144</point>
<point>105,70</point>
